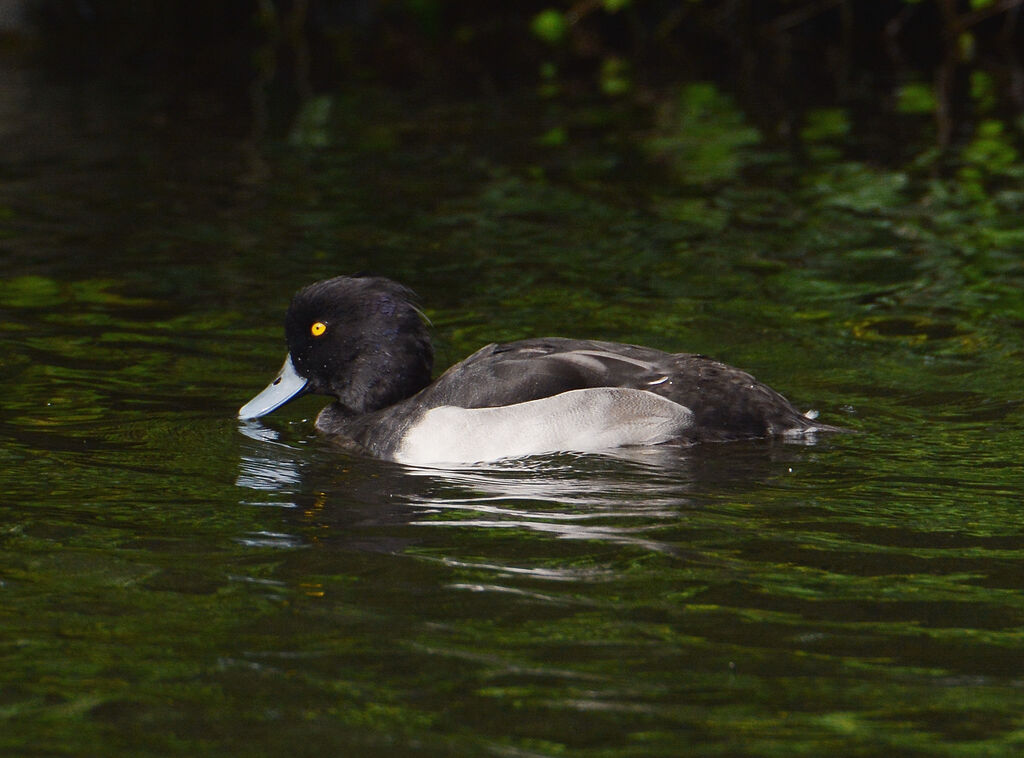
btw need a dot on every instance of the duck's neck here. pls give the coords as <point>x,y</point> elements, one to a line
<point>382,375</point>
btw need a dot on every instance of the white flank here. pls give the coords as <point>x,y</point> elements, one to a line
<point>582,421</point>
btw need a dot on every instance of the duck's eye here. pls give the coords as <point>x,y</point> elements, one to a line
<point>318,328</point>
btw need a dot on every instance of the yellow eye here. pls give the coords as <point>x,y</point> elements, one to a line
<point>318,328</point>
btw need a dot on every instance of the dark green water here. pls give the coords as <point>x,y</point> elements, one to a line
<point>173,582</point>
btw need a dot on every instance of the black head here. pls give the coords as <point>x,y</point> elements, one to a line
<point>359,339</point>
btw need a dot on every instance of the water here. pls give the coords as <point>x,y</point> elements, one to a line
<point>175,582</point>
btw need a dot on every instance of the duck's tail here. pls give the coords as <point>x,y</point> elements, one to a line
<point>809,425</point>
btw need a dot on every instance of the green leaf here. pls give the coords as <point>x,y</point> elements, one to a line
<point>550,26</point>
<point>915,97</point>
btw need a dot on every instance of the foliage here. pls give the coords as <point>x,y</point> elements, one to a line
<point>780,58</point>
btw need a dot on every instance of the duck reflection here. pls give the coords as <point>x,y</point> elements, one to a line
<point>330,497</point>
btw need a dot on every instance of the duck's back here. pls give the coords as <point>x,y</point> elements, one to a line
<point>727,403</point>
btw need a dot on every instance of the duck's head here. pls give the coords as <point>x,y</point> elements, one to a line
<point>359,339</point>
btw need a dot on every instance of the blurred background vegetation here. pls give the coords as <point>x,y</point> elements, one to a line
<point>941,73</point>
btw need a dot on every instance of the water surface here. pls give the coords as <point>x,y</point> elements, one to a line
<point>175,582</point>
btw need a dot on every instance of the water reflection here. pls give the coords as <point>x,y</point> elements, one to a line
<point>268,464</point>
<point>623,498</point>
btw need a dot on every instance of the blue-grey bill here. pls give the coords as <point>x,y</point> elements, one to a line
<point>288,385</point>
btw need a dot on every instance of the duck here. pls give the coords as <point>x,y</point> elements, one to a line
<point>364,342</point>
